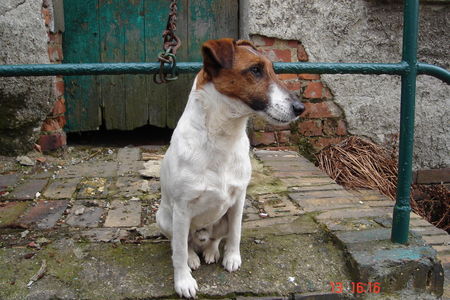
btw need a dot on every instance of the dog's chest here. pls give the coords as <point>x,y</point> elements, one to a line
<point>224,186</point>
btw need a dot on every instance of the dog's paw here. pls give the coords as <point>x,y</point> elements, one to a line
<point>211,255</point>
<point>231,261</point>
<point>193,260</point>
<point>186,286</point>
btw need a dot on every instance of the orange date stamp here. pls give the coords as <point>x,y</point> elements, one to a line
<point>355,287</point>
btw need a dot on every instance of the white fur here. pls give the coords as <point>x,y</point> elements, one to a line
<point>204,177</point>
<point>279,110</point>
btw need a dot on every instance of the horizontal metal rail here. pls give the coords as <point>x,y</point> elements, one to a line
<point>192,67</point>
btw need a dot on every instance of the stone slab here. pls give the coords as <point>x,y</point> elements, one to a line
<point>151,168</point>
<point>44,214</point>
<point>90,169</point>
<point>279,206</point>
<point>86,213</point>
<point>297,174</point>
<point>306,195</point>
<point>123,214</point>
<point>94,187</point>
<point>104,234</point>
<point>354,213</point>
<point>310,205</point>
<point>126,155</point>
<point>307,181</point>
<point>8,181</point>
<point>443,240</point>
<point>350,225</point>
<point>11,211</point>
<point>364,236</point>
<point>28,189</point>
<point>130,168</point>
<point>62,188</point>
<point>380,203</point>
<point>315,187</point>
<point>129,187</point>
<point>419,223</point>
<point>428,230</point>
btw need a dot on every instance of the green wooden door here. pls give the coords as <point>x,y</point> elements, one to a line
<point>130,31</point>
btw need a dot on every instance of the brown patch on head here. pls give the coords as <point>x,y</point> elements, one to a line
<point>239,71</point>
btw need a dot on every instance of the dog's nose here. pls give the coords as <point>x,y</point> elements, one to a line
<point>298,107</point>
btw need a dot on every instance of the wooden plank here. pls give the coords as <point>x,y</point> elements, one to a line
<point>136,99</point>
<point>156,13</point>
<point>112,50</point>
<point>80,45</point>
<point>178,90</point>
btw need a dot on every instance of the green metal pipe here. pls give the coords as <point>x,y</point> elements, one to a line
<point>435,71</point>
<point>402,208</point>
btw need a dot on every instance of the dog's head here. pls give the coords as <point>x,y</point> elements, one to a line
<point>239,71</point>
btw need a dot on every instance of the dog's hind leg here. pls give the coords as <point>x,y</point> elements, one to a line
<point>211,252</point>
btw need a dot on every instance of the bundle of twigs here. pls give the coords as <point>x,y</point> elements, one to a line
<point>360,163</point>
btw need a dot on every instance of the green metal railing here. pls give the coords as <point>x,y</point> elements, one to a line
<point>408,69</point>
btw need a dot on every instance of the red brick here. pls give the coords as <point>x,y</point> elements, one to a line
<point>287,76</point>
<point>278,55</point>
<point>55,53</point>
<point>327,94</point>
<point>61,121</point>
<point>283,136</point>
<point>259,40</point>
<point>309,76</point>
<point>313,90</point>
<point>55,38</point>
<point>310,128</point>
<point>59,88</point>
<point>292,43</point>
<point>59,107</point>
<point>52,141</point>
<point>47,16</point>
<point>293,85</point>
<point>341,128</point>
<point>301,53</point>
<point>322,142</point>
<point>326,109</point>
<point>433,176</point>
<point>262,138</point>
<point>50,125</point>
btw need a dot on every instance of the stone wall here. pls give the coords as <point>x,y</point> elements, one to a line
<point>24,101</point>
<point>368,31</point>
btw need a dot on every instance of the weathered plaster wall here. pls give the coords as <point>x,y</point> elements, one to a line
<point>369,31</point>
<point>24,101</point>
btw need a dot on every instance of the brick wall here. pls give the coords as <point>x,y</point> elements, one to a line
<point>52,134</point>
<point>323,122</point>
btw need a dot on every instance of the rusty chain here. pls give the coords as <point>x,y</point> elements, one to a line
<point>171,43</point>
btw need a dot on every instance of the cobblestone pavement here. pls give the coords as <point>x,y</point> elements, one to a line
<point>89,215</point>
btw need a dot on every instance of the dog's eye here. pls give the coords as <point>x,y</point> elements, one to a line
<point>256,71</point>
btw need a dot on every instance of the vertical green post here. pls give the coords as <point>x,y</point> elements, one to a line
<point>402,208</point>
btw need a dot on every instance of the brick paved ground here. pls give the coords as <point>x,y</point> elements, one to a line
<point>83,202</point>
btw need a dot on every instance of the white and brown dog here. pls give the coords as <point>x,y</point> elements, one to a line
<point>206,170</point>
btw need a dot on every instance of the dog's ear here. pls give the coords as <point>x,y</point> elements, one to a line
<point>218,54</point>
<point>246,43</point>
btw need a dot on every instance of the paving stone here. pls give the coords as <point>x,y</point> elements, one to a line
<point>350,225</point>
<point>62,188</point>
<point>266,222</point>
<point>310,205</point>
<point>8,181</point>
<point>428,230</point>
<point>297,174</point>
<point>289,166</point>
<point>310,181</point>
<point>363,236</point>
<point>151,156</point>
<point>354,213</point>
<point>123,214</point>
<point>130,168</point>
<point>306,195</point>
<point>149,231</point>
<point>385,203</point>
<point>384,221</point>
<point>152,168</point>
<point>250,212</point>
<point>129,187</point>
<point>11,211</point>
<point>44,214</point>
<point>28,189</point>
<point>86,213</point>
<point>369,195</point>
<point>443,240</point>
<point>403,267</point>
<point>419,223</point>
<point>43,175</point>
<point>105,234</point>
<point>441,248</point>
<point>90,169</point>
<point>278,205</point>
<point>127,155</point>
<point>318,187</point>
<point>96,187</point>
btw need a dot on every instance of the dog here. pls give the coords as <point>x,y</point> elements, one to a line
<point>206,169</point>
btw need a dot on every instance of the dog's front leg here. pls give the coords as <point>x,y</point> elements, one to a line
<point>232,257</point>
<point>185,284</point>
